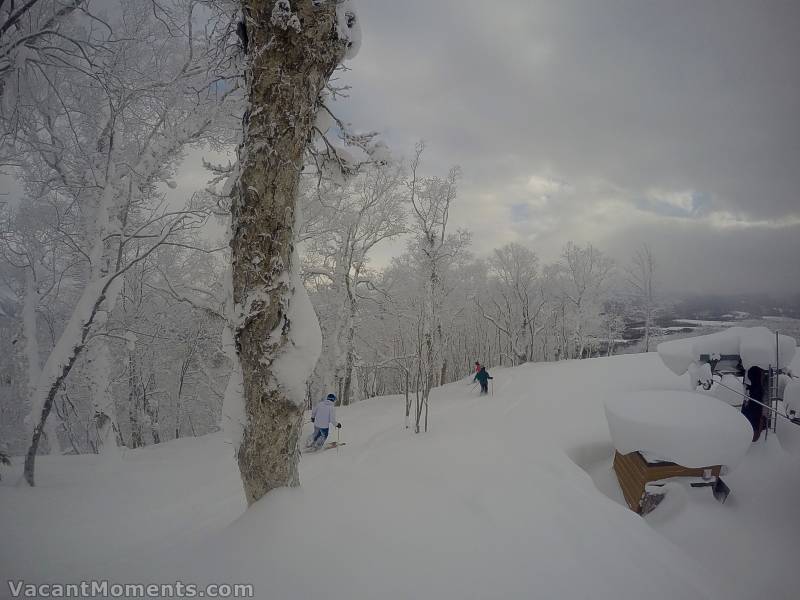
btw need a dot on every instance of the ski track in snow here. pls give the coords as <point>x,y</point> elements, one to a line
<point>506,496</point>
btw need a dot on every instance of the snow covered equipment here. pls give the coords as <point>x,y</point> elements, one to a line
<point>659,435</point>
<point>754,346</point>
<point>747,367</point>
<point>788,418</point>
<point>718,487</point>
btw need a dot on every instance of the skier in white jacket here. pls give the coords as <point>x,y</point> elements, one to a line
<point>323,416</point>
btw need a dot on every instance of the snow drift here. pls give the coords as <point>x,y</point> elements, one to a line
<point>692,430</point>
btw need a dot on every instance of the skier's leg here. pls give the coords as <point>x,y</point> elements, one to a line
<point>312,437</point>
<point>319,441</point>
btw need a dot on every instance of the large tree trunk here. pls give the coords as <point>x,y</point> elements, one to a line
<point>290,59</point>
<point>58,366</point>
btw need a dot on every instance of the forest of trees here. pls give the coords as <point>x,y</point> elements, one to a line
<point>125,324</point>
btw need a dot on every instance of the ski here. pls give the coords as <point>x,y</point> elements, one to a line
<point>327,446</point>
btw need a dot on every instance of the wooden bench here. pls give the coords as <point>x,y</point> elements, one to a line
<point>634,473</point>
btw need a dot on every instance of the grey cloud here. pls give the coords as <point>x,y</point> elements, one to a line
<point>694,258</point>
<point>650,99</point>
<point>688,205</point>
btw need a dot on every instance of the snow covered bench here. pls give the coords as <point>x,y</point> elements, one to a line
<point>682,434</point>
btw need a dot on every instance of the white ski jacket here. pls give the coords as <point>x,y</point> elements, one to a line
<point>324,414</point>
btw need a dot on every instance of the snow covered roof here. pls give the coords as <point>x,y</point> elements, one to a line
<point>690,429</point>
<point>755,346</point>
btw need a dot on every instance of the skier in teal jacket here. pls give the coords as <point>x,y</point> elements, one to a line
<point>483,378</point>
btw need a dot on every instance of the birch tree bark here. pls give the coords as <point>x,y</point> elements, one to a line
<point>291,54</point>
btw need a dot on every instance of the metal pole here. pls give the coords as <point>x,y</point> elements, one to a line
<point>777,376</point>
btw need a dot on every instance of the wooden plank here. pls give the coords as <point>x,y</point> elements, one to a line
<point>630,479</point>
<point>634,472</point>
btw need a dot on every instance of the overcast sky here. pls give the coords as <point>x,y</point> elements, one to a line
<point>613,122</point>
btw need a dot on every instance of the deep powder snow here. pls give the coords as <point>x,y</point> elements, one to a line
<point>507,496</point>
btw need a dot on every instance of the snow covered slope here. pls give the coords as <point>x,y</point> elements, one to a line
<point>507,496</point>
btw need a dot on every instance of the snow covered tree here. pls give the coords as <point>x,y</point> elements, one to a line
<point>171,317</point>
<point>584,280</point>
<point>431,198</point>
<point>346,224</point>
<point>517,299</point>
<point>35,31</point>
<point>641,278</point>
<point>614,323</point>
<point>99,129</point>
<point>39,268</point>
<point>292,49</point>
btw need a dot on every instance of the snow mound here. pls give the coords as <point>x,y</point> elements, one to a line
<point>292,367</point>
<point>755,345</point>
<point>789,433</point>
<point>692,430</point>
<point>348,27</point>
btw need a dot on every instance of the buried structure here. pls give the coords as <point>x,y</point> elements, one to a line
<point>740,387</point>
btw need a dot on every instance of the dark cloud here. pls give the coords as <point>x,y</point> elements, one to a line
<point>688,108</point>
<point>695,258</point>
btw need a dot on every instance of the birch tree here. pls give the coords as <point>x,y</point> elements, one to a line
<point>350,222</point>
<point>102,132</point>
<point>641,278</point>
<point>517,299</point>
<point>431,198</point>
<point>585,273</point>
